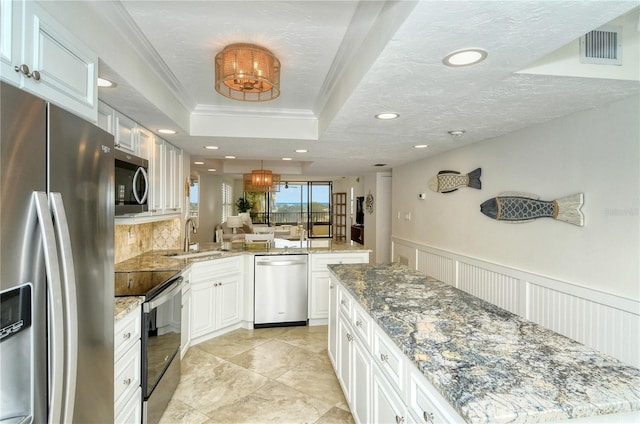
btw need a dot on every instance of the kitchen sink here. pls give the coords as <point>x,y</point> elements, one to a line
<point>189,255</point>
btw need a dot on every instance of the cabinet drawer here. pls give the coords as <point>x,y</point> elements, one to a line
<point>362,324</point>
<point>131,412</point>
<point>127,332</point>
<point>425,404</point>
<point>344,302</point>
<point>389,358</point>
<point>204,271</point>
<point>127,374</point>
<point>319,261</point>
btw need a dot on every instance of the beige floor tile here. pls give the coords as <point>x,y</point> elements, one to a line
<point>272,403</point>
<point>233,343</point>
<point>309,338</point>
<point>336,416</point>
<point>197,360</point>
<point>212,388</point>
<point>180,412</point>
<point>315,377</point>
<point>271,359</point>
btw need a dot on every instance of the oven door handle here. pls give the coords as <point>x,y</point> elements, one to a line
<point>165,296</point>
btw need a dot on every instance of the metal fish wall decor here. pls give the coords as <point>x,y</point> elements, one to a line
<point>449,181</point>
<point>524,207</point>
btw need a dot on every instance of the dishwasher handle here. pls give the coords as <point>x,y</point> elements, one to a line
<point>280,263</point>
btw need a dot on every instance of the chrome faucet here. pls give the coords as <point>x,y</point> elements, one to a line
<point>190,224</point>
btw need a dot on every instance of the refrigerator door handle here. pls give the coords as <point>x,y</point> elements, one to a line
<point>54,294</point>
<point>70,307</point>
<point>142,199</point>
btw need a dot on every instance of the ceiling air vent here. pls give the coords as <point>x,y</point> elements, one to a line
<point>602,46</point>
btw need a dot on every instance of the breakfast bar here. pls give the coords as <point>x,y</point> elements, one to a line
<point>485,363</point>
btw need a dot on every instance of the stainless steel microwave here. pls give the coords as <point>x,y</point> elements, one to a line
<point>131,183</point>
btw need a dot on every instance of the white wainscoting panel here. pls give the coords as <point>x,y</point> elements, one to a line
<point>602,327</point>
<point>605,322</point>
<point>437,266</point>
<point>499,289</point>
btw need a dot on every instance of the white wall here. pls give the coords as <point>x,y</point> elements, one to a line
<point>377,236</point>
<point>596,152</point>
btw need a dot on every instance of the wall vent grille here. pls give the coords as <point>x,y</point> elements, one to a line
<point>602,46</point>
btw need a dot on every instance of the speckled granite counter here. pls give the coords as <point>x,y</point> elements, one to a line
<point>157,260</point>
<point>124,305</point>
<point>491,365</point>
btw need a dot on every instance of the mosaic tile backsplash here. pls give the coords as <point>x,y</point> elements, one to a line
<point>145,237</point>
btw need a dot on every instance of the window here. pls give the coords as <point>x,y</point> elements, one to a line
<point>227,203</point>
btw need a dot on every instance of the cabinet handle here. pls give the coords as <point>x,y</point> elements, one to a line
<point>25,70</point>
<point>127,382</point>
<point>384,357</point>
<point>399,419</point>
<point>428,416</point>
<point>126,335</point>
<point>358,323</point>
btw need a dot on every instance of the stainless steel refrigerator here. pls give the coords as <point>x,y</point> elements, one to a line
<point>56,264</point>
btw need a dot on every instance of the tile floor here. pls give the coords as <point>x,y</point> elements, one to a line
<point>255,376</point>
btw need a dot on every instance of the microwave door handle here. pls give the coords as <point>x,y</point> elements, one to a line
<point>70,307</point>
<point>146,185</point>
<point>135,184</point>
<point>54,290</point>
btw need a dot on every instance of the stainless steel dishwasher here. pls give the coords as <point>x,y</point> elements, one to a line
<point>280,296</point>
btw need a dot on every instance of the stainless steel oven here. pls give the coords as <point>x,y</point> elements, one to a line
<point>161,332</point>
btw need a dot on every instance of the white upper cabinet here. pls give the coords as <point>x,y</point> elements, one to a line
<point>41,56</point>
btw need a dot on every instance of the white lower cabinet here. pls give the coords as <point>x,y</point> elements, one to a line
<point>215,296</point>
<point>185,315</point>
<point>127,357</point>
<point>320,281</point>
<point>379,382</point>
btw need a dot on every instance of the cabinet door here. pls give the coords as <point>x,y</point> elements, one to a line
<point>228,304</point>
<point>202,308</point>
<point>360,382</point>
<point>125,132</point>
<point>386,406</point>
<point>185,330</point>
<point>319,295</point>
<point>168,177</point>
<point>343,356</point>
<point>10,40</point>
<point>105,117</point>
<point>333,321</point>
<point>145,143</point>
<point>156,169</point>
<point>67,68</point>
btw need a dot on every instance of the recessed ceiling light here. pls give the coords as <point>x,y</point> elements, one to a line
<point>211,170</point>
<point>229,157</point>
<point>287,159</point>
<point>211,147</point>
<point>301,151</point>
<point>198,162</point>
<point>166,131</point>
<point>421,146</point>
<point>465,57</point>
<point>457,133</point>
<point>387,115</point>
<point>105,83</point>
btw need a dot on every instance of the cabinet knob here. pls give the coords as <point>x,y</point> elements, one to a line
<point>331,286</point>
<point>358,323</point>
<point>126,335</point>
<point>399,419</point>
<point>127,381</point>
<point>343,302</point>
<point>24,69</point>
<point>384,357</point>
<point>428,416</point>
<point>349,337</point>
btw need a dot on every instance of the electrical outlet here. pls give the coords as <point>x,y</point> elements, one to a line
<point>131,238</point>
<point>407,216</point>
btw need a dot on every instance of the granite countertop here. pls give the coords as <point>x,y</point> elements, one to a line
<point>124,305</point>
<point>157,260</point>
<point>490,364</point>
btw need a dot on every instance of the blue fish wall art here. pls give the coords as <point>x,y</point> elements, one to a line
<point>449,181</point>
<point>523,207</point>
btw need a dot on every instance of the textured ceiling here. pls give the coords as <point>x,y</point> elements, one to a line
<point>345,61</point>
